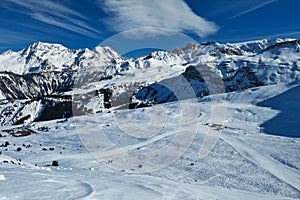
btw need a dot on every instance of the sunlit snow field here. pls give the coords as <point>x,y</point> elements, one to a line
<point>249,158</point>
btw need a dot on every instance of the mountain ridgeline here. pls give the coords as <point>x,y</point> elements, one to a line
<point>49,81</point>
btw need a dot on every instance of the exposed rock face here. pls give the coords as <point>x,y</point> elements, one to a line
<point>34,85</point>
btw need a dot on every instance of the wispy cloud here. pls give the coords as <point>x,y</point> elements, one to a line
<point>46,6</point>
<point>54,13</point>
<point>71,27</point>
<point>10,37</point>
<point>169,14</point>
<point>262,4</point>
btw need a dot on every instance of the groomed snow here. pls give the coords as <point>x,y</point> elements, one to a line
<point>245,163</point>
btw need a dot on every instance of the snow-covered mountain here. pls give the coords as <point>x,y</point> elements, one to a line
<point>234,134</point>
<point>240,66</point>
<point>43,57</point>
<point>101,78</point>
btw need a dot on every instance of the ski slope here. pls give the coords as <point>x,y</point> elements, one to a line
<point>244,162</point>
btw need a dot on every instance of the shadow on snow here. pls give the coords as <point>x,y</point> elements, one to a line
<point>287,122</point>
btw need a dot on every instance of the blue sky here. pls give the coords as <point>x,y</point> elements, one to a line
<point>165,23</point>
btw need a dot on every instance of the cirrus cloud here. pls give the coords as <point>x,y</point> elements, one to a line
<point>260,5</point>
<point>170,14</point>
<point>53,13</point>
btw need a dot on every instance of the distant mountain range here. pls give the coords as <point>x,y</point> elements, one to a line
<point>49,81</point>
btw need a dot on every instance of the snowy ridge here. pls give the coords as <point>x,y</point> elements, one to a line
<point>103,79</point>
<point>240,66</point>
<point>40,57</point>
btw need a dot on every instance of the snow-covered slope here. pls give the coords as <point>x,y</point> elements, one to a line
<point>246,162</point>
<point>220,121</point>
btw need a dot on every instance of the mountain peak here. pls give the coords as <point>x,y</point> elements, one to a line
<point>8,52</point>
<point>109,53</point>
<point>38,49</point>
<point>45,46</point>
<point>43,56</point>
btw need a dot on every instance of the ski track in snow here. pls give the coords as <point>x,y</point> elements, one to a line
<point>81,183</point>
<point>283,172</point>
<point>112,186</point>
